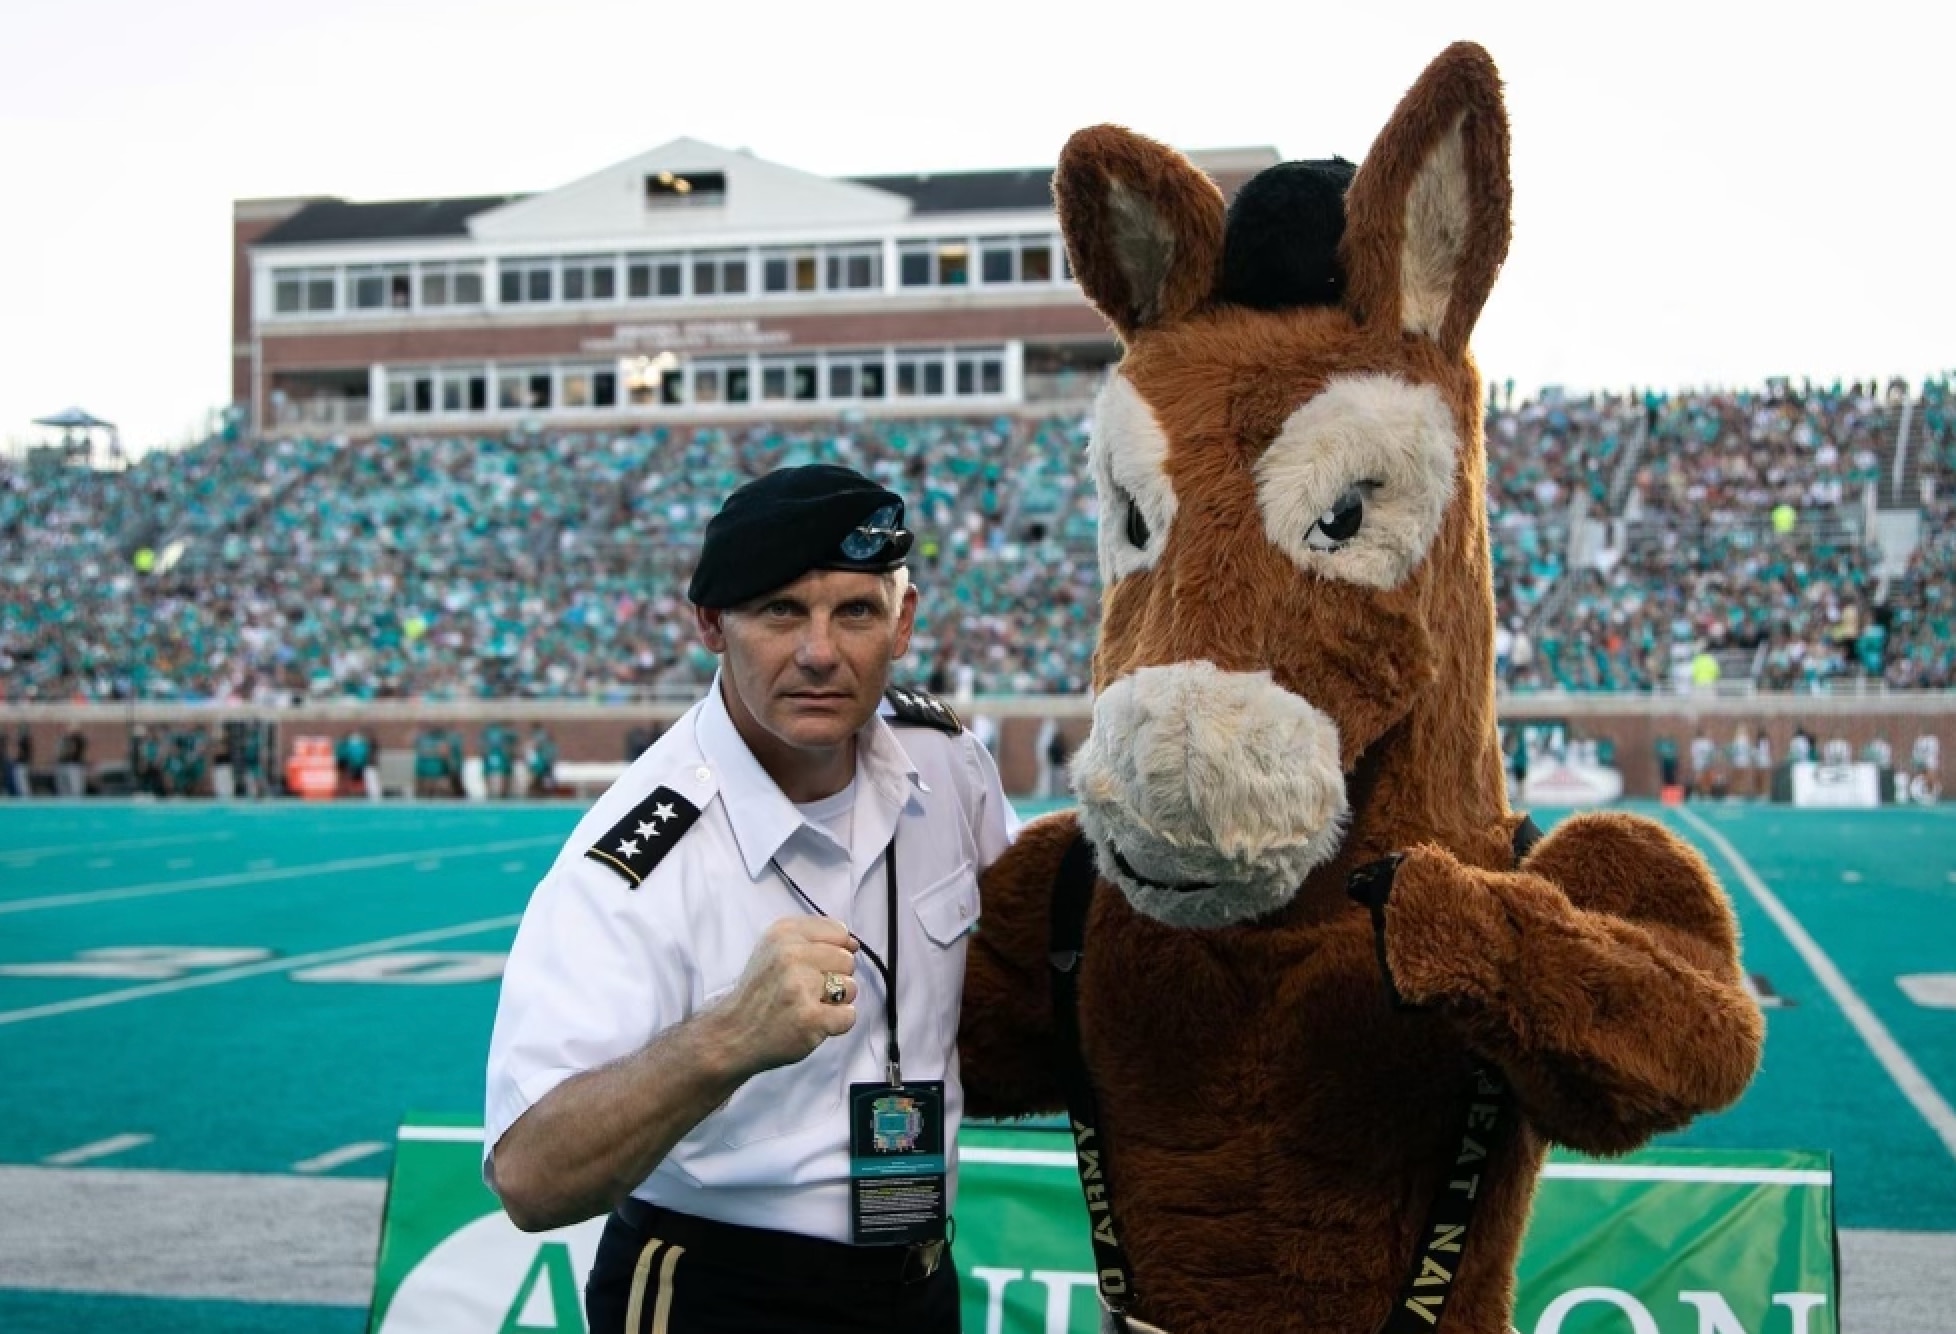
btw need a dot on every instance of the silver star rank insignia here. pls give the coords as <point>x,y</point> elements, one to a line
<point>640,841</point>
<point>916,708</point>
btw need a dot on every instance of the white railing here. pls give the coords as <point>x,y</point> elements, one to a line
<point>1901,453</point>
<point>1626,468</point>
<point>329,412</point>
<point>1062,386</point>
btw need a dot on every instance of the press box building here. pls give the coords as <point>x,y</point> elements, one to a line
<point>691,281</point>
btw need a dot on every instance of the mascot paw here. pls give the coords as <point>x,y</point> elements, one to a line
<point>1436,928</point>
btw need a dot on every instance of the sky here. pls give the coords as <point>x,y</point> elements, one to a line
<point>1705,193</point>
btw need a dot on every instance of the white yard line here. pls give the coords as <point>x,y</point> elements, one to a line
<point>234,878</point>
<point>223,975</point>
<point>348,1153</point>
<point>101,1148</point>
<point>1908,1077</point>
<point>114,845</point>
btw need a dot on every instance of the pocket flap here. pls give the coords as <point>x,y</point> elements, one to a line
<point>948,909</point>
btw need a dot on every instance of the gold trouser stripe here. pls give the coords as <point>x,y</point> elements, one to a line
<point>662,1310</point>
<point>636,1306</point>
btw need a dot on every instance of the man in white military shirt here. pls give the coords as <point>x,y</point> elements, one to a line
<point>730,1014</point>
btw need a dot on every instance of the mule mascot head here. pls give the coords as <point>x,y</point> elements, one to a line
<point>1298,613</point>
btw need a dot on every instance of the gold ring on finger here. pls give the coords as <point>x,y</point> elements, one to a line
<point>834,990</point>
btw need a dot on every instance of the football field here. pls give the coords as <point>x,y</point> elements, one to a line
<point>212,1018</point>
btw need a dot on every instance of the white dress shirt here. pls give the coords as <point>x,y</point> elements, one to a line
<point>600,968</point>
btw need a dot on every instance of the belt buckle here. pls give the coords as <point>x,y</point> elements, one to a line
<point>921,1259</point>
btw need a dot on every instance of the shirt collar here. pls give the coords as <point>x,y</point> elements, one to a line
<point>762,817</point>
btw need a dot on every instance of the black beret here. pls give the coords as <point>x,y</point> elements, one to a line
<point>777,528</point>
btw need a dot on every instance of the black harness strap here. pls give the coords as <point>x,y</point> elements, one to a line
<point>1527,835</point>
<point>1072,897</point>
<point>1443,1244</point>
<point>1488,1111</point>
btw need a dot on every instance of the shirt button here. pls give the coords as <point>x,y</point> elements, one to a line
<point>703,773</point>
<point>964,911</point>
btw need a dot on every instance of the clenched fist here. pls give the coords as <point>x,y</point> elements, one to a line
<point>776,1014</point>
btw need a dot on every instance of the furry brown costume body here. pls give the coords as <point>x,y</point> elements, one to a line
<point>1295,679</point>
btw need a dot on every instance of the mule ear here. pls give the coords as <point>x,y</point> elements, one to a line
<point>1427,217</point>
<point>1143,227</point>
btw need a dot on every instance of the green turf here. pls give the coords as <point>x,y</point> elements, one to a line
<point>1819,1086</point>
<point>260,1073</point>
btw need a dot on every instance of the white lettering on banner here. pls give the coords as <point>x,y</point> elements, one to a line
<point>1060,1285</point>
<point>1715,1314</point>
<point>1558,1310</point>
<point>689,336</point>
<point>1800,1304</point>
<point>551,1298</point>
<point>412,968</point>
<point>995,1281</point>
<point>150,963</point>
<point>488,1278</point>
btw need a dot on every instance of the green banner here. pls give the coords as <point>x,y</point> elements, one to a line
<point>1686,1240</point>
<point>1662,1242</point>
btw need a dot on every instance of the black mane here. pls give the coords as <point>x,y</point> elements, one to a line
<point>1280,244</point>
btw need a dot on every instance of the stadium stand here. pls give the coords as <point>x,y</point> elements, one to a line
<point>1635,537</point>
<point>1921,647</point>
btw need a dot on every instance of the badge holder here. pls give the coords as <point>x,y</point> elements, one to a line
<point>896,1163</point>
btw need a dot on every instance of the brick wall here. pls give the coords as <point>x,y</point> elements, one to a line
<point>597,733</point>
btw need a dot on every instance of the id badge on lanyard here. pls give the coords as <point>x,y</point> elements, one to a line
<point>897,1169</point>
<point>896,1163</point>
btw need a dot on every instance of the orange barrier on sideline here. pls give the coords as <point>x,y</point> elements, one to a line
<point>310,771</point>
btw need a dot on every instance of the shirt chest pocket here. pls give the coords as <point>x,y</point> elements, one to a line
<point>945,910</point>
<point>948,908</point>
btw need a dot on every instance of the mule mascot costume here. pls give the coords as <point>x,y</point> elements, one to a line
<point>1314,997</point>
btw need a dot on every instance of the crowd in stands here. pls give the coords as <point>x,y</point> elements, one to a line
<point>1635,537</point>
<point>1739,539</point>
<point>1733,457</point>
<point>1922,621</point>
<point>1796,607</point>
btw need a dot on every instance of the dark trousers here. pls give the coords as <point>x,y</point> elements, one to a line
<point>660,1272</point>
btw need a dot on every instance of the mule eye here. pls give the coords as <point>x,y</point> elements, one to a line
<point>1340,524</point>
<point>1137,526</point>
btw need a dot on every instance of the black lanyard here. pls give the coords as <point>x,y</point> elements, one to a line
<point>894,1066</point>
